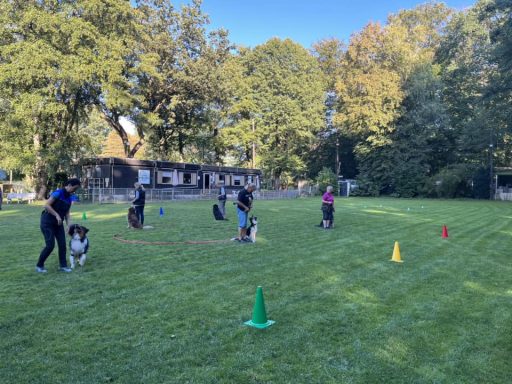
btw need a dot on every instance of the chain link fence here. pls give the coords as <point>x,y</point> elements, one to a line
<point>124,195</point>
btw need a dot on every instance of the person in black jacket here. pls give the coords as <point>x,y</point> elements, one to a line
<point>222,197</point>
<point>56,210</point>
<point>244,205</point>
<point>139,202</point>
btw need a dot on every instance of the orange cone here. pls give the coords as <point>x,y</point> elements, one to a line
<point>396,254</point>
<point>445,232</point>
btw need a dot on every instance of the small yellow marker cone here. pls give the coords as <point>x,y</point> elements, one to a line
<point>396,254</point>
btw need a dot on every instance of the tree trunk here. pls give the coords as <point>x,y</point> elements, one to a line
<point>277,182</point>
<point>112,118</point>
<point>40,171</point>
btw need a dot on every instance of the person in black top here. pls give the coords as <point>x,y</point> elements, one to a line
<point>139,202</point>
<point>222,197</point>
<point>56,210</point>
<point>244,205</point>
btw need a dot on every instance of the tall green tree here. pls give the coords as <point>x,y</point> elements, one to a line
<point>285,100</point>
<point>498,92</point>
<point>179,83</point>
<point>334,146</point>
<point>373,94</point>
<point>54,56</point>
<point>422,143</point>
<point>464,55</point>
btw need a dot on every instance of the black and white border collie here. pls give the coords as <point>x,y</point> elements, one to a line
<point>79,244</point>
<point>253,228</point>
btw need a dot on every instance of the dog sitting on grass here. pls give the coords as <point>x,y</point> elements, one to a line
<point>253,228</point>
<point>133,220</point>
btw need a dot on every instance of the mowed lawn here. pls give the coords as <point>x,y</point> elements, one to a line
<point>344,312</point>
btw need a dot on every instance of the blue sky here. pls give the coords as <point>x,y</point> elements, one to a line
<point>252,22</point>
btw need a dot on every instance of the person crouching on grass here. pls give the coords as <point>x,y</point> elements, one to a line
<point>244,205</point>
<point>55,211</point>
<point>328,207</point>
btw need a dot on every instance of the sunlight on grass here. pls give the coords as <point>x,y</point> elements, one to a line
<point>363,297</point>
<point>9,212</point>
<point>100,216</point>
<point>478,288</point>
<point>383,212</point>
<point>395,351</point>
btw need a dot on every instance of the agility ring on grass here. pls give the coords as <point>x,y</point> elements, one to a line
<point>126,241</point>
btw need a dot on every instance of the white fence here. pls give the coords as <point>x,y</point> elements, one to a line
<point>124,195</point>
<point>19,197</point>
<point>503,194</point>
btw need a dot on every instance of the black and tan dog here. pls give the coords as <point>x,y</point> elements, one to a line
<point>79,244</point>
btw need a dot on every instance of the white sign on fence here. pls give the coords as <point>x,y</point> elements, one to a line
<point>144,176</point>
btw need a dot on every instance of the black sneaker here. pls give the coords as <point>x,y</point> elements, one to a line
<point>41,270</point>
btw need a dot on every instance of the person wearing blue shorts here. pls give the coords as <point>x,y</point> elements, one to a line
<point>244,205</point>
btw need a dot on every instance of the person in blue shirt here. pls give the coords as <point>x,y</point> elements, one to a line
<point>56,210</point>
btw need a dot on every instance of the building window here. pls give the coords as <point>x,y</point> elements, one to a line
<point>238,180</point>
<point>164,177</point>
<point>187,178</point>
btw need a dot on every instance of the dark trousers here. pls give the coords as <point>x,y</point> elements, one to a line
<point>52,232</point>
<point>139,210</point>
<point>222,207</point>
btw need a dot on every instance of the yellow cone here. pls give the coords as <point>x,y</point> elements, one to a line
<point>396,254</point>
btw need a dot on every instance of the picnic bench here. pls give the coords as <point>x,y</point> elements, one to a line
<point>20,197</point>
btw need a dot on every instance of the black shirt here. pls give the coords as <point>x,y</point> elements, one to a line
<point>141,197</point>
<point>245,197</point>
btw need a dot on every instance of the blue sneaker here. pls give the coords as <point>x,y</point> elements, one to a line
<point>65,269</point>
<point>41,270</point>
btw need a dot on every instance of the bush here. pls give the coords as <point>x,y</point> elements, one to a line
<point>452,181</point>
<point>365,187</point>
<point>325,178</point>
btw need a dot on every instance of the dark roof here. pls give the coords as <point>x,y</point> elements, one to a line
<point>167,164</point>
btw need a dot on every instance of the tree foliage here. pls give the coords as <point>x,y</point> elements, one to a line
<point>54,58</point>
<point>418,105</point>
<point>279,90</point>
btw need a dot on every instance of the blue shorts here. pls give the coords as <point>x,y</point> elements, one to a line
<point>242,218</point>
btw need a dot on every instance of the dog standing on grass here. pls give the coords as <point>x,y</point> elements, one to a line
<point>79,244</point>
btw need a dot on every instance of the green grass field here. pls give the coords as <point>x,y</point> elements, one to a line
<point>344,312</point>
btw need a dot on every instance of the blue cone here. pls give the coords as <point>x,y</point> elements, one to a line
<point>161,211</point>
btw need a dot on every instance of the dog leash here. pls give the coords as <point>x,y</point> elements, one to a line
<point>126,241</point>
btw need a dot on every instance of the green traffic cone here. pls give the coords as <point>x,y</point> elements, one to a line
<point>259,315</point>
<point>84,216</point>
